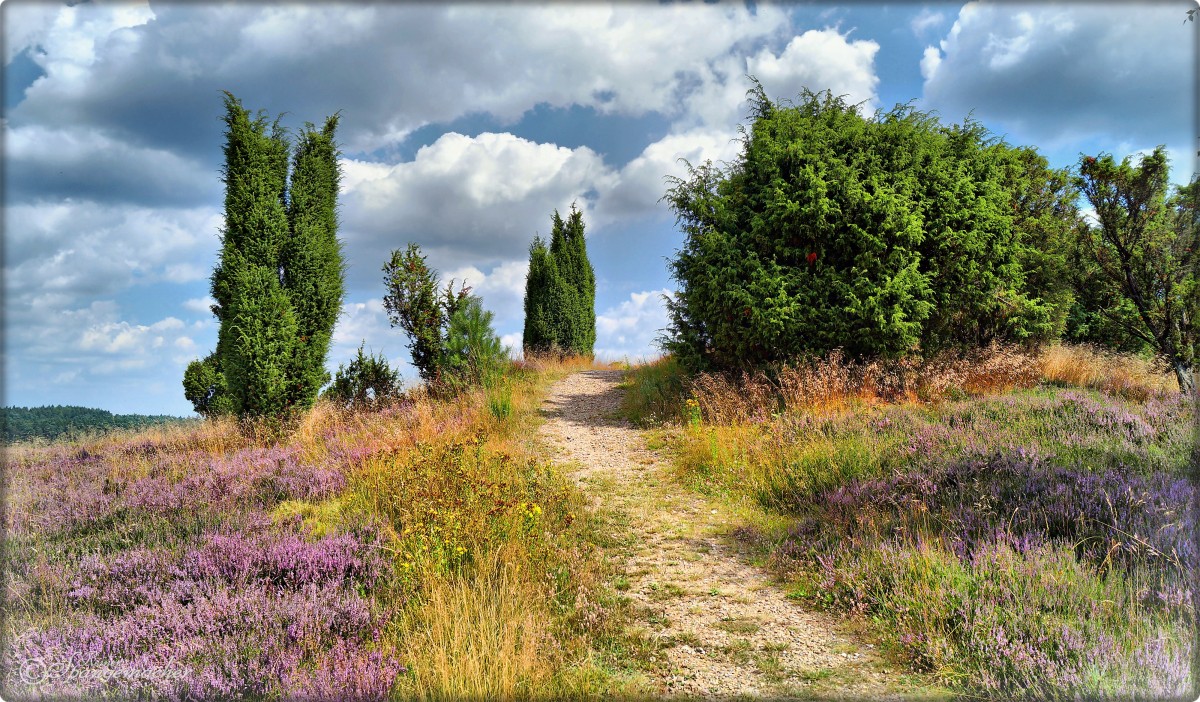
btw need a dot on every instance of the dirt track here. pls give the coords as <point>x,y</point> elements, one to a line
<point>728,631</point>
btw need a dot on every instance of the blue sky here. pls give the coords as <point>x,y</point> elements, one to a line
<point>463,128</point>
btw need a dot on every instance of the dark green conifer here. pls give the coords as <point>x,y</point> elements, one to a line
<point>313,269</point>
<point>560,291</point>
<point>278,285</point>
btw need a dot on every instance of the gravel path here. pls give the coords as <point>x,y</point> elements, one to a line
<point>726,630</point>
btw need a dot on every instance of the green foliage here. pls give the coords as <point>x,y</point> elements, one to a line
<point>1141,263</point>
<point>880,236</point>
<point>368,380</point>
<point>261,345</point>
<point>499,402</point>
<point>312,259</point>
<point>1045,217</point>
<point>64,422</point>
<point>414,304</point>
<point>540,283</point>
<point>560,291</point>
<point>655,392</point>
<point>279,283</point>
<point>204,387</point>
<point>472,352</point>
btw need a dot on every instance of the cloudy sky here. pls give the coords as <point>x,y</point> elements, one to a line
<point>463,128</point>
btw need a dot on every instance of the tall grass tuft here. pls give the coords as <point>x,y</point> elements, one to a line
<point>480,637</point>
<point>1129,376</point>
<point>654,392</point>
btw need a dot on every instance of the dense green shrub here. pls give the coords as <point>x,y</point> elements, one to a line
<point>560,291</point>
<point>880,236</point>
<point>367,381</point>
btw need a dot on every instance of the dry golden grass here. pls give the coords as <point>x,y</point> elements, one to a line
<point>832,382</point>
<point>480,637</point>
<point>551,363</point>
<point>1092,367</point>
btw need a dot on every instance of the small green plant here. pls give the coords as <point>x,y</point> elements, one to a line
<point>499,402</point>
<point>738,625</point>
<point>472,353</point>
<point>691,409</point>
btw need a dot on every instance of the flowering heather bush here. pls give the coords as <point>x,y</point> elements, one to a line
<point>1034,544</point>
<point>136,568</point>
<point>223,564</point>
<point>197,640</point>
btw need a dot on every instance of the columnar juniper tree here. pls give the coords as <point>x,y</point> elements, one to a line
<point>278,286</point>
<point>541,283</point>
<point>560,291</point>
<point>312,259</point>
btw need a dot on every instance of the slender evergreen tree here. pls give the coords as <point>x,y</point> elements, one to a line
<point>538,336</point>
<point>278,285</point>
<point>313,269</point>
<point>568,247</point>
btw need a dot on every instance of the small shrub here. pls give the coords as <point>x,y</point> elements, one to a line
<point>472,353</point>
<point>367,381</point>
<point>499,401</point>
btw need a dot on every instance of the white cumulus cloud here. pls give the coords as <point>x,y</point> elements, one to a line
<point>1061,75</point>
<point>631,328</point>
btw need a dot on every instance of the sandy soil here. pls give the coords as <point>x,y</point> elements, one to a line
<point>728,630</point>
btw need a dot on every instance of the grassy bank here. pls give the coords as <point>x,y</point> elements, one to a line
<point>1017,525</point>
<point>423,551</point>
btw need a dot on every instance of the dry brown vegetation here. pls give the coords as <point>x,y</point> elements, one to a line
<point>1131,377</point>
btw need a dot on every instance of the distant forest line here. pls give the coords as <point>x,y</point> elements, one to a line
<point>64,422</point>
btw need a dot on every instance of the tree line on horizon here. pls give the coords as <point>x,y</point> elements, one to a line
<point>53,422</point>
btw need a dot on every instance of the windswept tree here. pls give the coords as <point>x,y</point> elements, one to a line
<point>560,291</point>
<point>415,304</point>
<point>278,284</point>
<point>1143,254</point>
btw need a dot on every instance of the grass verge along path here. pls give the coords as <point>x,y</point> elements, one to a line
<point>721,627</point>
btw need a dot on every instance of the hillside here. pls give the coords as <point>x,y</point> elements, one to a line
<point>61,422</point>
<point>1015,528</point>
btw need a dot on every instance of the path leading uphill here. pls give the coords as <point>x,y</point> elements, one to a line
<point>726,630</point>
